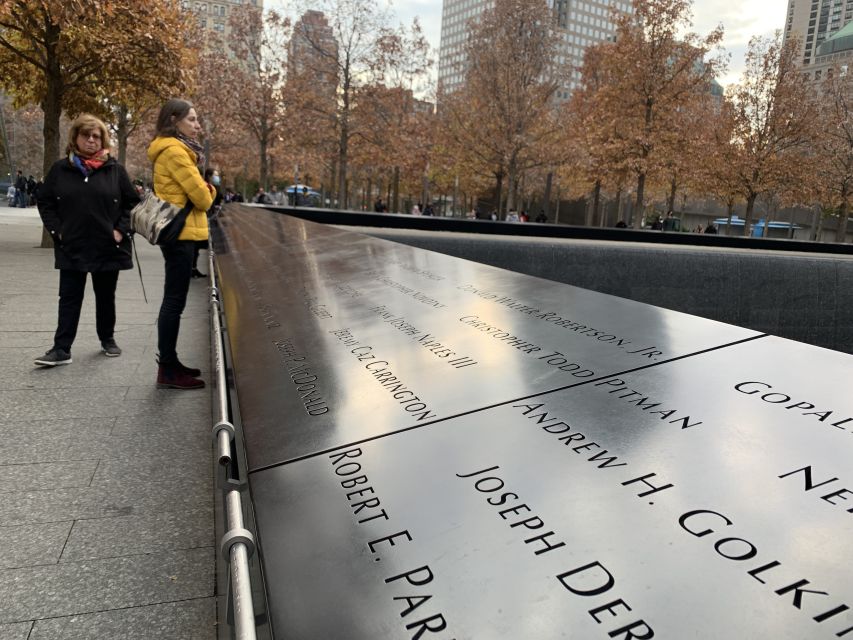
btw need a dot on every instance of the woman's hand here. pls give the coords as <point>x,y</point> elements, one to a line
<point>117,236</point>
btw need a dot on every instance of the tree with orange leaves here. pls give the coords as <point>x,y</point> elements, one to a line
<point>773,117</point>
<point>650,70</point>
<point>504,116</point>
<point>71,54</point>
<point>834,145</point>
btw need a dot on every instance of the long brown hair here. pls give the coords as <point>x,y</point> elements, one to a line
<point>86,122</point>
<point>174,110</point>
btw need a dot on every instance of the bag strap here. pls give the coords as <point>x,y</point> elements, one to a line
<point>139,267</point>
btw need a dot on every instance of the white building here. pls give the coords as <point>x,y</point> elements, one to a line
<point>815,21</point>
<point>581,23</point>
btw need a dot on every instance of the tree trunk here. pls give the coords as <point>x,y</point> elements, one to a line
<point>122,133</point>
<point>499,192</point>
<point>342,165</point>
<point>730,206</point>
<point>670,203</point>
<point>512,186</point>
<point>747,216</point>
<point>368,196</point>
<point>52,107</point>
<point>263,143</point>
<point>596,197</point>
<point>549,179</point>
<point>841,233</point>
<point>395,190</point>
<point>641,188</point>
<point>620,206</point>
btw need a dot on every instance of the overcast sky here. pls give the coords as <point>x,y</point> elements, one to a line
<point>741,20</point>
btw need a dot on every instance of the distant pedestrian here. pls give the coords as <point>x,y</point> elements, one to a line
<point>177,154</point>
<point>261,197</point>
<point>711,228</point>
<point>541,217</point>
<point>85,205</point>
<point>416,210</point>
<point>20,190</point>
<point>31,188</point>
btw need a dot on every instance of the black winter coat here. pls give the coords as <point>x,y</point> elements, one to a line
<point>81,212</point>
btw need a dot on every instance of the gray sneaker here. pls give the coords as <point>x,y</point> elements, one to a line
<point>110,348</point>
<point>54,357</point>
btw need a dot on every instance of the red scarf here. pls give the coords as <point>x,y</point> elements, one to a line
<point>97,160</point>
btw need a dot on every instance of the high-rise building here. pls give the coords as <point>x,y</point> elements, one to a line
<point>313,50</point>
<point>213,16</point>
<point>580,23</point>
<point>815,21</point>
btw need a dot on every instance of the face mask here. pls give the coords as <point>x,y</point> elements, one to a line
<point>215,180</point>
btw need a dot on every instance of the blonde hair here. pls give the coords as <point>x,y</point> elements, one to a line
<point>86,122</point>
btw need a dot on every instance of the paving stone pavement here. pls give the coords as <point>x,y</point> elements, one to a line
<point>106,482</point>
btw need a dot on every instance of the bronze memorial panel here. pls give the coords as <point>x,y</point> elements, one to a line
<point>337,337</point>
<point>441,449</point>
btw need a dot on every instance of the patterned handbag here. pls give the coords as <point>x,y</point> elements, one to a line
<point>158,221</point>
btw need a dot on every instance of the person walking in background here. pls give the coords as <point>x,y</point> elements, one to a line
<point>261,197</point>
<point>20,190</point>
<point>31,191</point>
<point>177,154</point>
<point>85,205</point>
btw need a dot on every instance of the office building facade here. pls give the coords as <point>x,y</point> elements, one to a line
<point>213,16</point>
<point>815,21</point>
<point>580,23</point>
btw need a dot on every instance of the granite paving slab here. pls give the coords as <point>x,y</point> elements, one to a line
<point>33,544</point>
<point>135,535</point>
<point>48,447</point>
<point>157,465</point>
<point>102,502</point>
<point>98,585</point>
<point>17,631</point>
<point>46,475</point>
<point>186,620</point>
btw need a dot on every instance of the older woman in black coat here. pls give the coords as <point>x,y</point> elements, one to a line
<point>85,205</point>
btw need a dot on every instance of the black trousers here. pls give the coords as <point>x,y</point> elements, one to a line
<point>72,287</point>
<point>179,265</point>
<point>198,246</point>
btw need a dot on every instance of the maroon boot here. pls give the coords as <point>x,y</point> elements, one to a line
<point>172,377</point>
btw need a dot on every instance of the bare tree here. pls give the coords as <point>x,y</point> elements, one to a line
<point>349,51</point>
<point>259,41</point>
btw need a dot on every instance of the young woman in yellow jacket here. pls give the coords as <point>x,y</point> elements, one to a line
<point>177,155</point>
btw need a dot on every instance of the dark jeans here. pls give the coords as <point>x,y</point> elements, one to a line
<point>179,265</point>
<point>72,287</point>
<point>198,245</point>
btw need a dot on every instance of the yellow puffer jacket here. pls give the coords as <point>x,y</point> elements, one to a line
<point>177,179</point>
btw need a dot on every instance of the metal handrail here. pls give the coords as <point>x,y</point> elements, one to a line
<point>237,543</point>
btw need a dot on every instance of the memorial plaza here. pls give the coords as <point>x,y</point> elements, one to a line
<point>107,516</point>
